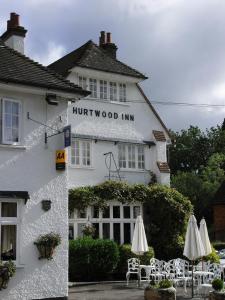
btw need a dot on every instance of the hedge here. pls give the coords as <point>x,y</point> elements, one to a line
<point>92,259</point>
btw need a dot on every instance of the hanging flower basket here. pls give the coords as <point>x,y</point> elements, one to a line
<point>7,270</point>
<point>46,244</point>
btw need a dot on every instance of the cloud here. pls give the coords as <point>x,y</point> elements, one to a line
<point>52,53</point>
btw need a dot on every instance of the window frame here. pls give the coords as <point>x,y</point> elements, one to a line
<point>122,92</point>
<point>13,221</point>
<point>3,101</point>
<point>93,87</point>
<point>81,153</point>
<point>113,90</point>
<point>103,89</point>
<point>75,221</point>
<point>128,156</point>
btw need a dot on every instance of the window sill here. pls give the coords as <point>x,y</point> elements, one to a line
<point>80,167</point>
<point>20,266</point>
<point>133,170</point>
<point>9,146</point>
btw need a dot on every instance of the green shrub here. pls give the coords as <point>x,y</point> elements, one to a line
<point>217,284</point>
<point>124,254</point>
<point>218,245</point>
<point>91,259</point>
<point>165,284</point>
<point>212,257</point>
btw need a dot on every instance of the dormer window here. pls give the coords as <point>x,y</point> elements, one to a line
<point>93,87</point>
<point>103,90</point>
<point>122,92</point>
<point>83,82</point>
<point>113,91</point>
<point>11,119</point>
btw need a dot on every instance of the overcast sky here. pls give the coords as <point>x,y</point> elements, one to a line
<point>178,44</point>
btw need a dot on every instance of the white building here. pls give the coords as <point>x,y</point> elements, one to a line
<point>27,169</point>
<point>117,134</point>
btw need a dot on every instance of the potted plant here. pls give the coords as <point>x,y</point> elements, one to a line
<point>218,287</point>
<point>164,290</point>
<point>7,270</point>
<point>47,243</point>
<point>88,230</point>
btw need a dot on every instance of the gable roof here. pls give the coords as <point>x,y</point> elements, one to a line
<point>17,68</point>
<point>94,57</point>
<point>219,197</point>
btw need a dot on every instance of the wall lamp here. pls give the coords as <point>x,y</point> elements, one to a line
<point>51,99</point>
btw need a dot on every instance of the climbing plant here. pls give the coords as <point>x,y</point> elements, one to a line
<point>166,210</point>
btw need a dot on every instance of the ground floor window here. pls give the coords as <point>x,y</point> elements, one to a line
<point>9,229</point>
<point>115,222</point>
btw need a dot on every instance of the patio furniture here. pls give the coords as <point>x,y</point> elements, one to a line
<point>133,268</point>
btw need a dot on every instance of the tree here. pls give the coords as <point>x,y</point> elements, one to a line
<point>189,151</point>
<point>201,187</point>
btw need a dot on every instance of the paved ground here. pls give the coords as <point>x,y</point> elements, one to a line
<point>114,291</point>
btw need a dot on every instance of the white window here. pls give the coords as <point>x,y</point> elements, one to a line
<point>115,222</point>
<point>122,92</point>
<point>83,82</point>
<point>113,91</point>
<point>131,156</point>
<point>122,156</point>
<point>93,87</point>
<point>11,119</point>
<point>103,89</point>
<point>9,229</point>
<point>141,157</point>
<point>81,153</point>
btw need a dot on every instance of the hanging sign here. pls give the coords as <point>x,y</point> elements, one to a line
<point>60,160</point>
<point>67,136</point>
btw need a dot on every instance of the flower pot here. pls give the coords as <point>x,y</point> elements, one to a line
<point>4,277</point>
<point>217,295</point>
<point>45,251</point>
<point>160,294</point>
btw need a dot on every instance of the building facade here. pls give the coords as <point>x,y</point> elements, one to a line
<point>28,174</point>
<point>219,213</point>
<point>117,134</point>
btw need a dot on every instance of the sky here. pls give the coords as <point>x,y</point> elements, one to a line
<point>178,44</point>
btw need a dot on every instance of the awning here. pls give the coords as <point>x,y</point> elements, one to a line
<point>15,195</point>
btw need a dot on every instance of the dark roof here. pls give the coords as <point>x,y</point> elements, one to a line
<point>159,136</point>
<point>17,68</point>
<point>219,197</point>
<point>93,57</point>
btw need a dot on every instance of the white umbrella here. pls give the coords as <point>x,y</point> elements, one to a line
<point>139,242</point>
<point>205,237</point>
<point>193,247</point>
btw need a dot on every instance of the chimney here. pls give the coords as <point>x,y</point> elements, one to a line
<point>15,34</point>
<point>105,42</point>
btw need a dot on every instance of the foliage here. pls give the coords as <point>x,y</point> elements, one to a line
<point>165,284</point>
<point>124,254</point>
<point>88,230</point>
<point>166,217</point>
<point>218,245</point>
<point>51,239</point>
<point>217,284</point>
<point>91,259</point>
<point>201,187</point>
<point>10,265</point>
<point>160,203</point>
<point>212,257</point>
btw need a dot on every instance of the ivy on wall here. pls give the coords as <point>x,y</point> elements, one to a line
<point>166,211</point>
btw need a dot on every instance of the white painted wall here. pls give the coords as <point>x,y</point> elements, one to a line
<point>32,169</point>
<point>138,130</point>
<point>16,42</point>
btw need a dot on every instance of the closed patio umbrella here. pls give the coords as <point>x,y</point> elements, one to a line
<point>205,237</point>
<point>193,247</point>
<point>139,242</point>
